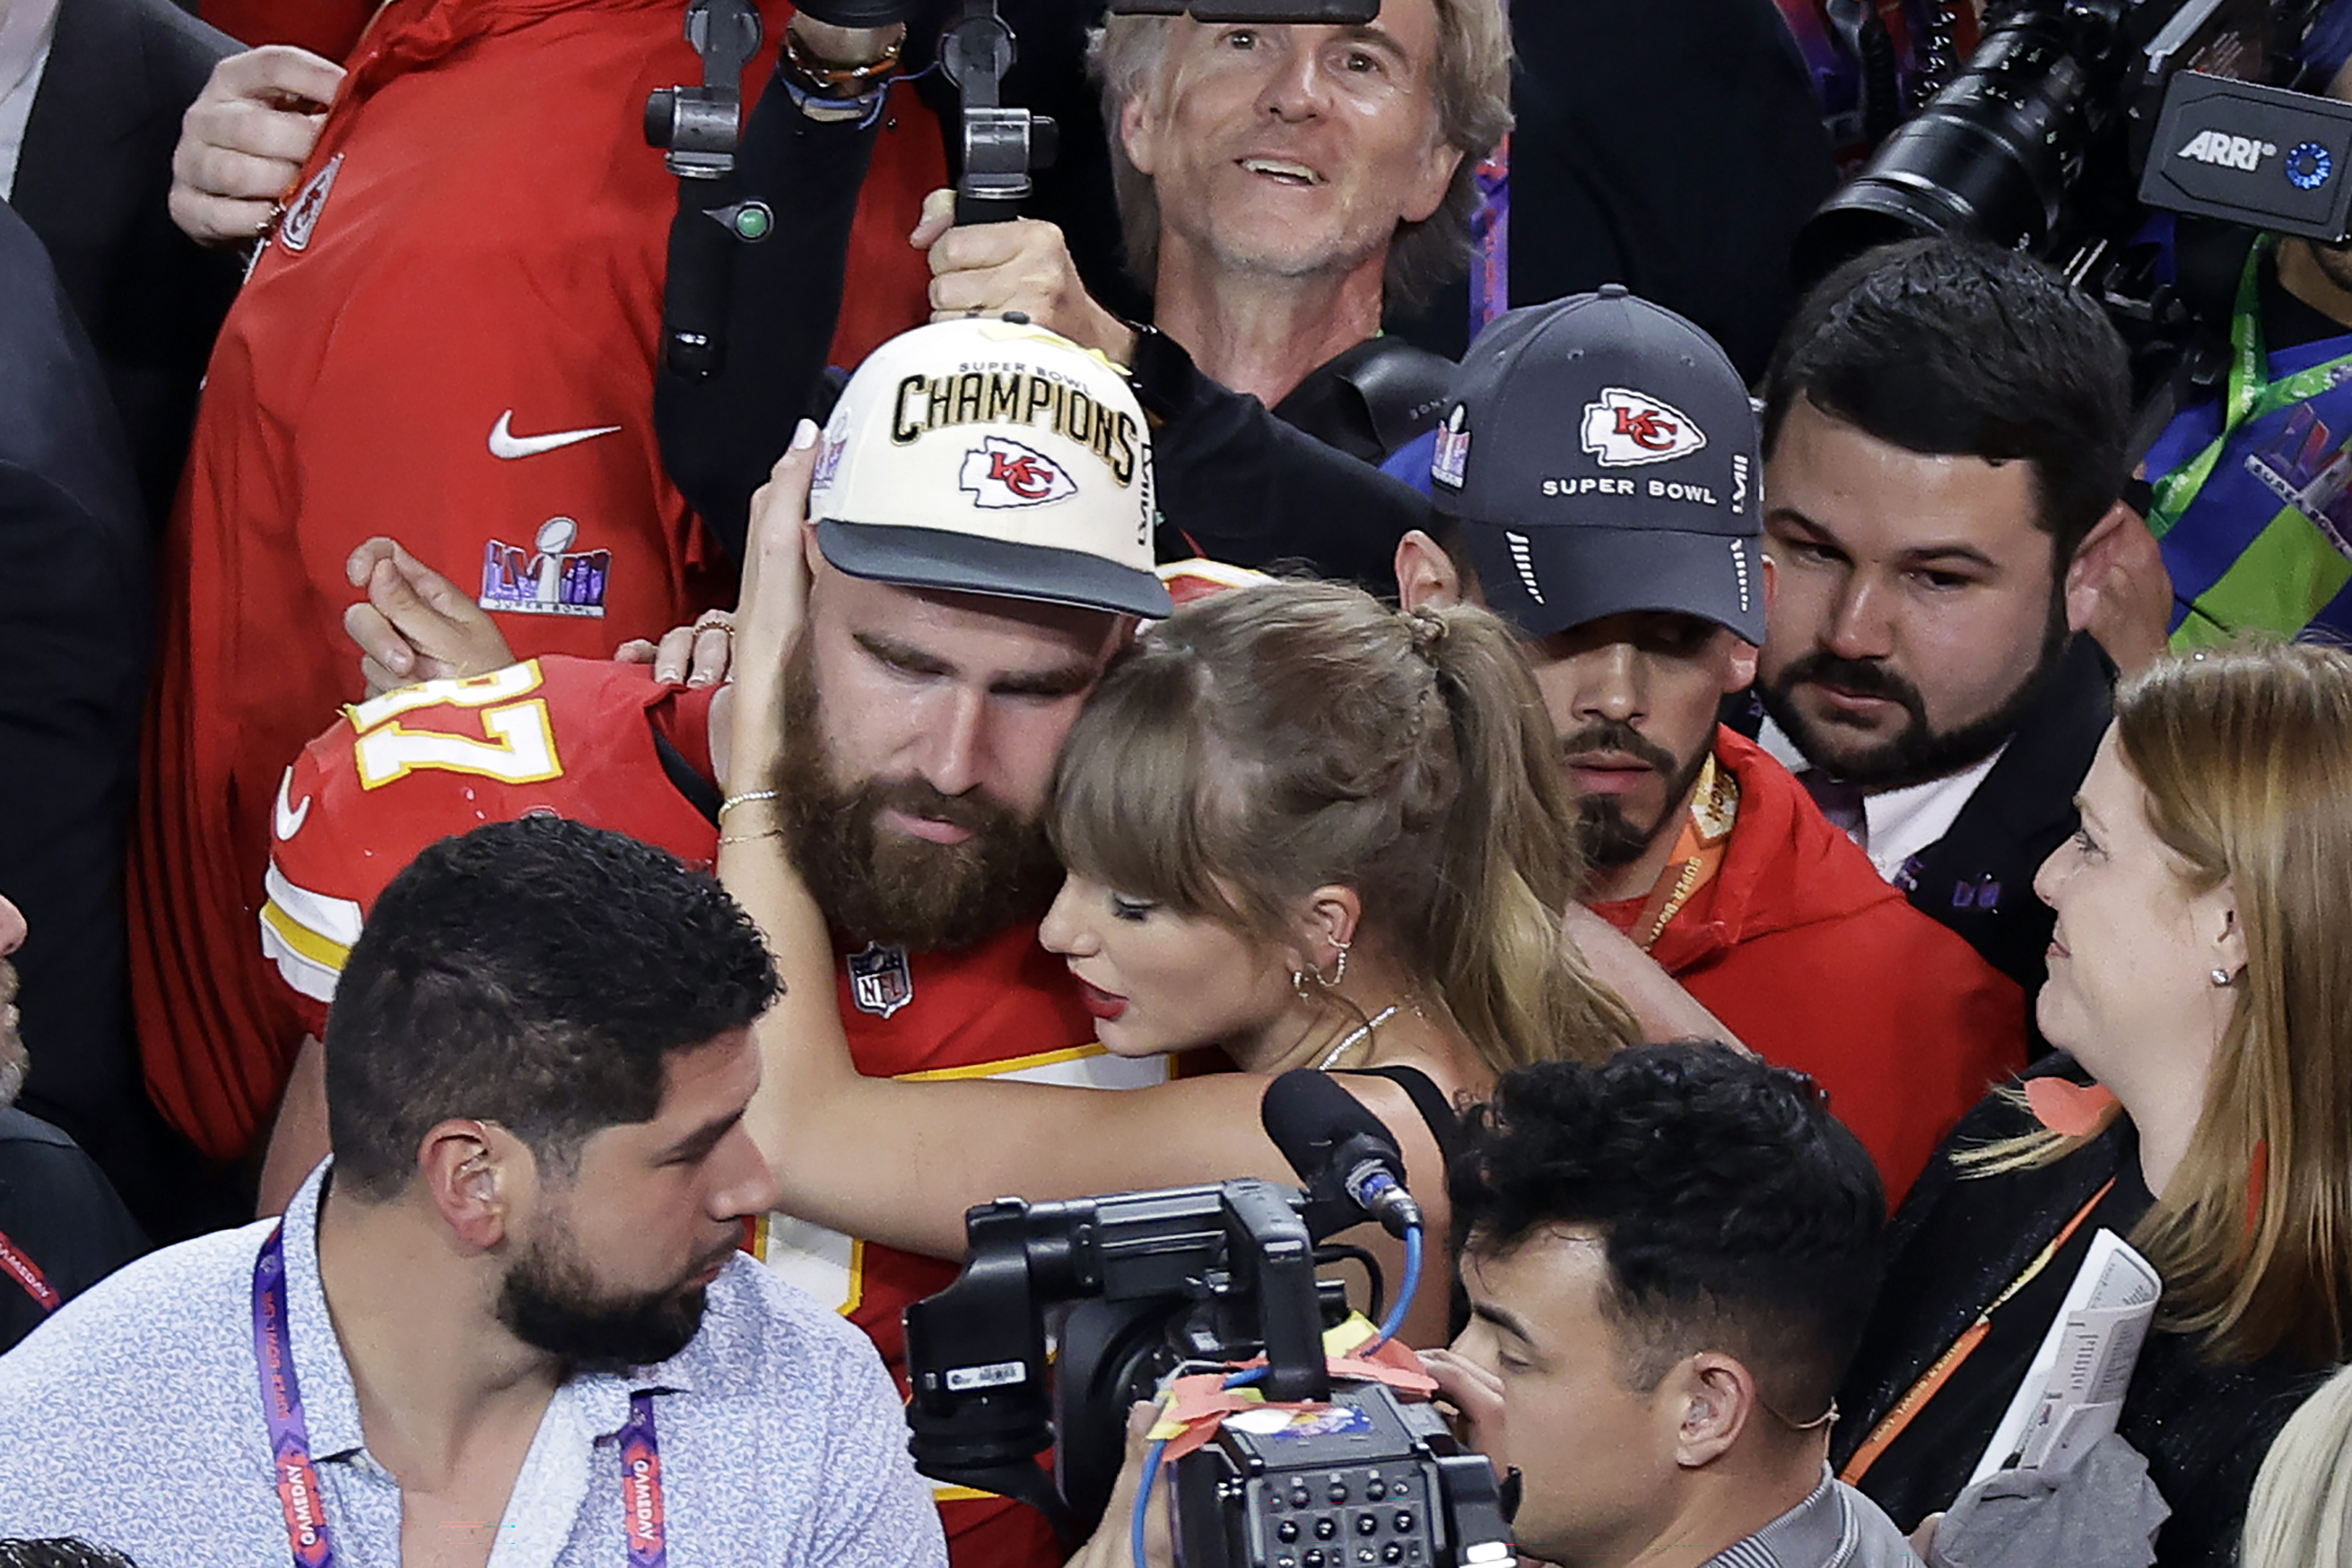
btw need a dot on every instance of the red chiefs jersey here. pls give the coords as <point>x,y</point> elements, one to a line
<point>577,737</point>
<point>450,339</point>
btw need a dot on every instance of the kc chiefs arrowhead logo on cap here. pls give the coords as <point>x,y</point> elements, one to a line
<point>1000,473</point>
<point>1626,428</point>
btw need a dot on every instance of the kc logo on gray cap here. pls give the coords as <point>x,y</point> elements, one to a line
<point>1625,428</point>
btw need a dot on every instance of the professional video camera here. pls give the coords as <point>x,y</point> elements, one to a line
<point>2074,118</point>
<point>1143,1285</point>
<point>698,128</point>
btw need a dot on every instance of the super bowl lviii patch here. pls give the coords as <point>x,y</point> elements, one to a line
<point>552,579</point>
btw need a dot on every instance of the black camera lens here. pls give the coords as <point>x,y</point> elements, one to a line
<point>1989,157</point>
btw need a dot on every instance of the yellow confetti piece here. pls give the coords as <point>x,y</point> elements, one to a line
<point>1342,1338</point>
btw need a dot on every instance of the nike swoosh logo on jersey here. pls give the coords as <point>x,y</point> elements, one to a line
<point>505,443</point>
<point>290,817</point>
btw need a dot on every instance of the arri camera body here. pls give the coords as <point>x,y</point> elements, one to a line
<point>1141,1285</point>
<point>2075,119</point>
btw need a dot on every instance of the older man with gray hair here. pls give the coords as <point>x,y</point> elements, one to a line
<point>1281,188</point>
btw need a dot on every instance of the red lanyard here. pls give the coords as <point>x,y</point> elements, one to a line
<point>25,1272</point>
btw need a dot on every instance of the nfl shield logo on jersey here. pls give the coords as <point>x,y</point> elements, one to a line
<point>879,980</point>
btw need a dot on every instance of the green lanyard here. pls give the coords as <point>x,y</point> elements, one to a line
<point>2245,396</point>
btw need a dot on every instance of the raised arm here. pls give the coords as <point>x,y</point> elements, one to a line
<point>897,1162</point>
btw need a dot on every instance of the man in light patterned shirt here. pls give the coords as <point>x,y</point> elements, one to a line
<point>507,1324</point>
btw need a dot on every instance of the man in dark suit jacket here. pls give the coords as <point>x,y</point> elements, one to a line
<point>76,608</point>
<point>1945,439</point>
<point>91,181</point>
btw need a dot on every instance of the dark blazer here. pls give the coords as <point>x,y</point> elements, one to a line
<point>57,1211</point>
<point>91,181</point>
<point>1977,878</point>
<point>76,608</point>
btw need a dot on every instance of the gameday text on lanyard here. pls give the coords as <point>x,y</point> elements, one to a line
<point>647,1528</point>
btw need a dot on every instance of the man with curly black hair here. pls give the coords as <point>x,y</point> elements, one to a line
<point>1669,1259</point>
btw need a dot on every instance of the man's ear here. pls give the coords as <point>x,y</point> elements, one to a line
<point>1739,663</point>
<point>1431,181</point>
<point>1138,128</point>
<point>472,1173</point>
<point>2094,558</point>
<point>1715,1397</point>
<point>1426,575</point>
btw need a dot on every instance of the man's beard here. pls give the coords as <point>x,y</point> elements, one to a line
<point>549,1300</point>
<point>14,1060</point>
<point>881,886</point>
<point>1609,838</point>
<point>1917,753</point>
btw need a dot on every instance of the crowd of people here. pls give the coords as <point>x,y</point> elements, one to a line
<point>549,877</point>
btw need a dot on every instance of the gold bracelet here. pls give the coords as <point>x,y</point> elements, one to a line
<point>732,801</point>
<point>747,838</point>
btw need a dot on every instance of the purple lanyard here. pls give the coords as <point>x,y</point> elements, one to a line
<point>646,1526</point>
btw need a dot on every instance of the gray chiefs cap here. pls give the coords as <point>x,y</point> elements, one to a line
<point>1602,457</point>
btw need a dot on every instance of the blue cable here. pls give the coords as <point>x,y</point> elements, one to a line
<point>1395,1320</point>
<point>1143,1498</point>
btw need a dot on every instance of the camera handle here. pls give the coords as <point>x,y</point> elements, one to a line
<point>698,128</point>
<point>1001,145</point>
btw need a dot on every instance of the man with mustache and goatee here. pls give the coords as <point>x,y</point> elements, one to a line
<point>1597,479</point>
<point>62,1228</point>
<point>985,551</point>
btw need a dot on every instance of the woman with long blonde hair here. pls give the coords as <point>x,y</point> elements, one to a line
<point>2200,983</point>
<point>1300,826</point>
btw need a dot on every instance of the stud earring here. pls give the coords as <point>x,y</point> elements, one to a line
<point>2223,977</point>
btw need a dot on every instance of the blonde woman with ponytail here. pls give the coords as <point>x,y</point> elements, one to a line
<point>1301,828</point>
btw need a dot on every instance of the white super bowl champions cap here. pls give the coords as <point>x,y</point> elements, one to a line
<point>991,457</point>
